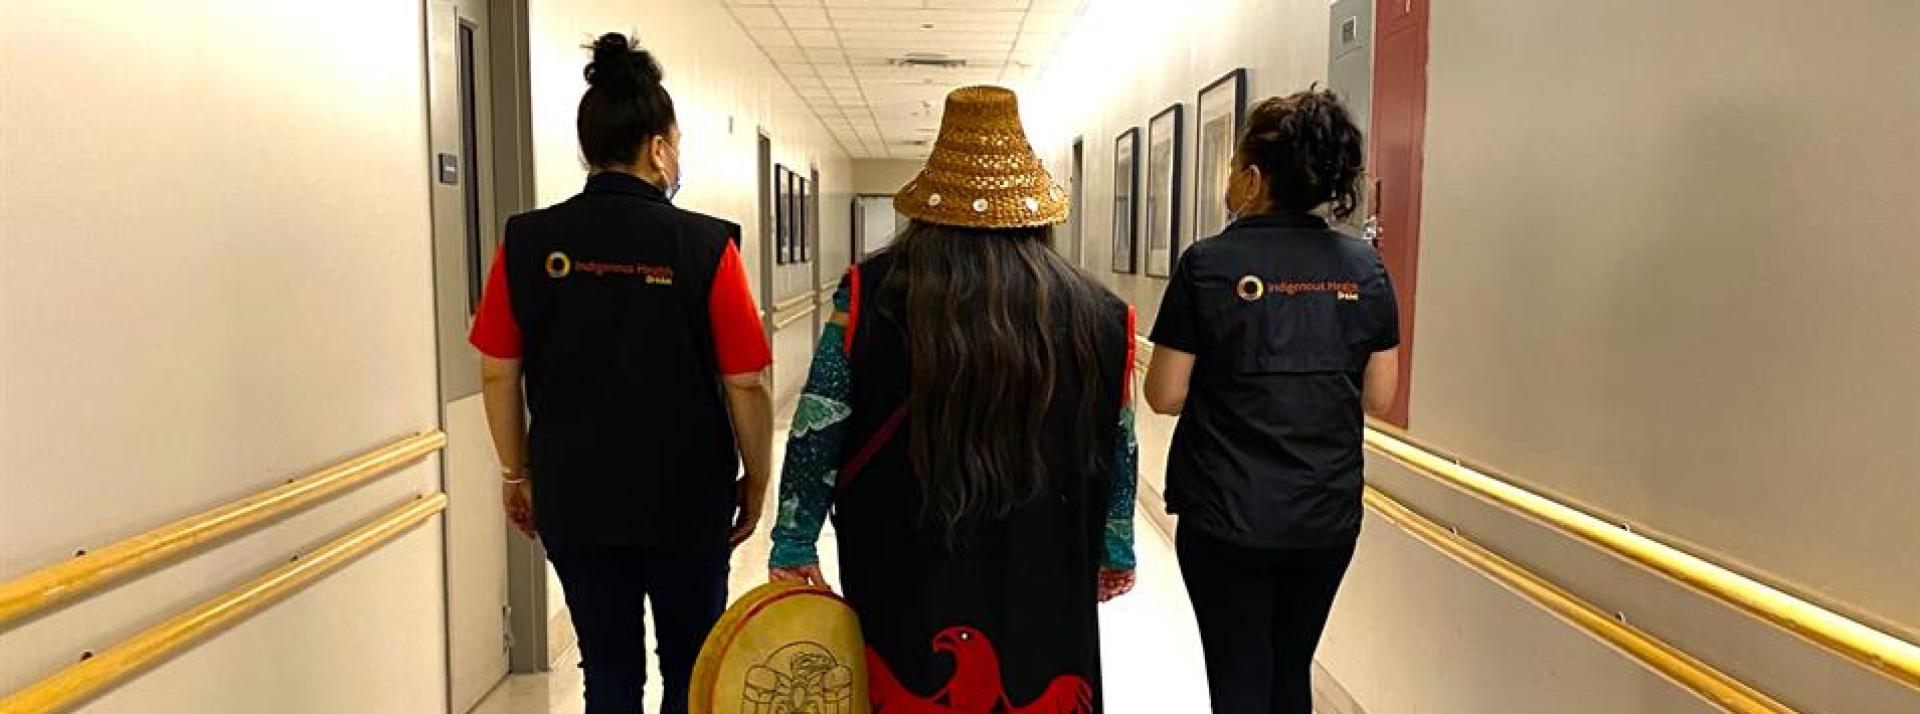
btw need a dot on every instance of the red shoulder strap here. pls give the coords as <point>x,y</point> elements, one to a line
<point>867,451</point>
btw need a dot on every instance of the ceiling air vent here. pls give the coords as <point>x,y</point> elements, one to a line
<point>928,59</point>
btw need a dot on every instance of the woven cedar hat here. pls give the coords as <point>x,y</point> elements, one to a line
<point>784,647</point>
<point>983,172</point>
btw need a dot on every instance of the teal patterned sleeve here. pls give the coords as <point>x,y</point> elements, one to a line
<point>1126,475</point>
<point>812,467</point>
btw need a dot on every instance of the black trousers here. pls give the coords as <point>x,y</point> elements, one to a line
<point>607,590</point>
<point>1260,613</point>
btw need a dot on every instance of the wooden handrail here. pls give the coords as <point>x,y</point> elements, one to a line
<point>89,677</point>
<point>1877,651</point>
<point>90,571</point>
<point>1702,679</point>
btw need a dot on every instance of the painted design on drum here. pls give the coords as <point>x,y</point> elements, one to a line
<point>800,678</point>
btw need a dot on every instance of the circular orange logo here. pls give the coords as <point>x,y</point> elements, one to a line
<point>1251,288</point>
<point>558,265</point>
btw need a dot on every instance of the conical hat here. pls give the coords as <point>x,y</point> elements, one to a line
<point>983,173</point>
<point>782,648</point>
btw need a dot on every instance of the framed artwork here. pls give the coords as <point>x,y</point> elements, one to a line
<point>797,217</point>
<point>782,218</point>
<point>1222,111</point>
<point>1126,187</point>
<point>1164,157</point>
<point>807,217</point>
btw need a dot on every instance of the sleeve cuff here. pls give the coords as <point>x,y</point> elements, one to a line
<point>1119,555</point>
<point>790,554</point>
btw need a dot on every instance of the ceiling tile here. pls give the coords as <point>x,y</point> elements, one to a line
<point>816,38</point>
<point>908,23</point>
<point>901,4</point>
<point>978,4</point>
<point>757,17</point>
<point>806,18</point>
<point>785,55</point>
<point>771,37</point>
<point>843,57</point>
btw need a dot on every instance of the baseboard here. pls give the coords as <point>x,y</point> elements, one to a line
<point>560,638</point>
<point>1329,697</point>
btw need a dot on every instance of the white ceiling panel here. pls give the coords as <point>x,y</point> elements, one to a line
<point>817,38</point>
<point>873,70</point>
<point>806,18</point>
<point>771,37</point>
<point>978,4</point>
<point>753,17</point>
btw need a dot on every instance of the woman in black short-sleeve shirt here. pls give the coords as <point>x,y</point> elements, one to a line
<point>1273,339</point>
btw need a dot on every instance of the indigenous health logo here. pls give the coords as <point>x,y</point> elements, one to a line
<point>1253,288</point>
<point>560,266</point>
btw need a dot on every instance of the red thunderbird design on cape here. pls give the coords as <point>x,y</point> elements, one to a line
<point>976,687</point>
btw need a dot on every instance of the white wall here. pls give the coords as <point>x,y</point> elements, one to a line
<point>217,277</point>
<point>884,176</point>
<point>1127,60</point>
<point>1684,294</point>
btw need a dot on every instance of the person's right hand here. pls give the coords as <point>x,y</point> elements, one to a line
<point>518,500</point>
<point>805,575</point>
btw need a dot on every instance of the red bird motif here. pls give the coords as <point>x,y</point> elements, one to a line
<point>976,686</point>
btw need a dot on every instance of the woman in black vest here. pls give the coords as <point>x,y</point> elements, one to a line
<point>641,351</point>
<point>966,422</point>
<point>1273,338</point>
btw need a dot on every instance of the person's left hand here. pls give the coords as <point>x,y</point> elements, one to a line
<point>747,519</point>
<point>1114,583</point>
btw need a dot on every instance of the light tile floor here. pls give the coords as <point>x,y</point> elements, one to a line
<point>1150,649</point>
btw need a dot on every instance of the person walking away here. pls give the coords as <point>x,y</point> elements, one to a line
<point>967,422</point>
<point>631,325</point>
<point>1272,340</point>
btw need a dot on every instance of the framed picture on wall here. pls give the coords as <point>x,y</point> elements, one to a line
<point>782,222</point>
<point>796,219</point>
<point>1126,187</point>
<point>805,212</point>
<point>1164,134</point>
<point>1221,112</point>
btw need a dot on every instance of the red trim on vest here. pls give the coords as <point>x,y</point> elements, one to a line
<point>1133,353</point>
<point>853,310</point>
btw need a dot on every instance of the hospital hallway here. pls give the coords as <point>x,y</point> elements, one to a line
<point>1641,276</point>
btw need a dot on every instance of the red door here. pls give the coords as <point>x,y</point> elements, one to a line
<point>1399,127</point>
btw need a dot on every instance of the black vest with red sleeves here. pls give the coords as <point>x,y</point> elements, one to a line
<point>629,442</point>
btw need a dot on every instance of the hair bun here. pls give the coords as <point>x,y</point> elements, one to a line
<point>618,66</point>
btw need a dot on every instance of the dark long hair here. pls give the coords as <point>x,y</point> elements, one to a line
<point>624,104</point>
<point>994,319</point>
